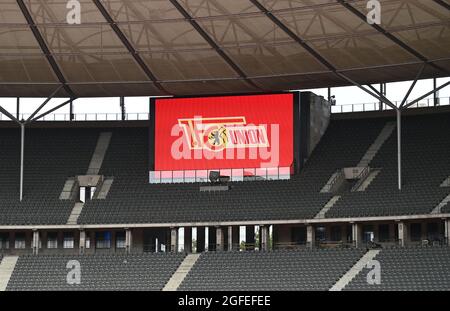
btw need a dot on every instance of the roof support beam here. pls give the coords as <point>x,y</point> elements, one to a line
<point>317,55</point>
<point>53,109</point>
<point>48,55</point>
<point>381,95</point>
<point>9,115</point>
<point>412,85</point>
<point>43,104</point>
<point>134,53</point>
<point>213,44</point>
<point>388,35</point>
<point>425,95</point>
<point>443,3</point>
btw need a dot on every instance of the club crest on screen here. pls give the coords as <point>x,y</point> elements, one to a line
<point>219,133</point>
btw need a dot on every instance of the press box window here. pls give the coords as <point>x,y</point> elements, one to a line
<point>19,242</point>
<point>52,240</point>
<point>4,241</point>
<point>120,240</point>
<point>68,241</point>
<point>103,239</point>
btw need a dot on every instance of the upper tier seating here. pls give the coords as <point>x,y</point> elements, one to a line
<point>98,272</point>
<point>415,268</point>
<point>425,165</point>
<point>133,200</point>
<point>51,156</point>
<point>277,270</point>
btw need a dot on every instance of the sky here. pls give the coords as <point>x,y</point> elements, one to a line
<point>88,107</point>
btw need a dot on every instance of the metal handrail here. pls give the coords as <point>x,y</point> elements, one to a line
<point>361,177</point>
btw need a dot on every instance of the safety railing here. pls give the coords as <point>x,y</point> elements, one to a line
<point>362,107</point>
<point>84,117</point>
<point>361,177</point>
<point>202,176</point>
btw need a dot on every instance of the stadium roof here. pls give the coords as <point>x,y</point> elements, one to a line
<point>184,47</point>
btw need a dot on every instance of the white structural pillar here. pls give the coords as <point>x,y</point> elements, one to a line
<point>402,233</point>
<point>82,244</point>
<point>128,240</point>
<point>447,230</point>
<point>22,151</point>
<point>219,239</point>
<point>35,245</point>
<point>356,234</point>
<point>230,238</point>
<point>399,148</point>
<point>264,237</point>
<point>310,236</point>
<point>173,240</point>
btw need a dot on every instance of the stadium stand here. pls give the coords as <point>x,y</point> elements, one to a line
<point>425,166</point>
<point>276,270</point>
<point>52,155</point>
<point>410,268</point>
<point>98,272</point>
<point>133,200</point>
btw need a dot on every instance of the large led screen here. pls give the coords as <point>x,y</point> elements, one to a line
<point>223,132</point>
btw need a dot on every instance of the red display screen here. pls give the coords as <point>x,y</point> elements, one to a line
<point>226,132</point>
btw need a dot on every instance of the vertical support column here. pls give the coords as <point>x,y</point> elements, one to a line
<point>174,240</point>
<point>35,243</point>
<point>249,237</point>
<point>219,239</point>
<point>264,238</point>
<point>435,94</point>
<point>200,239</point>
<point>310,236</point>
<point>82,243</point>
<point>18,108</point>
<point>399,148</point>
<point>356,234</point>
<point>329,94</point>
<point>447,231</point>
<point>188,239</point>
<point>230,238</point>
<point>71,115</point>
<point>402,233</point>
<point>22,151</point>
<point>122,108</point>
<point>128,240</point>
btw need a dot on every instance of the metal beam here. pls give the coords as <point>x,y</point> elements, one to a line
<point>134,53</point>
<point>53,109</point>
<point>381,95</point>
<point>22,154</point>
<point>51,60</point>
<point>315,54</point>
<point>427,94</point>
<point>388,35</point>
<point>443,3</point>
<point>43,104</point>
<point>399,148</point>
<point>213,44</point>
<point>412,86</point>
<point>9,115</point>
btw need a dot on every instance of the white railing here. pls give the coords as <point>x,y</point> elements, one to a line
<point>84,117</point>
<point>427,102</point>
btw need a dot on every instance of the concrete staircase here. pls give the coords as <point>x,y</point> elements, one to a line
<point>438,208</point>
<point>104,189</point>
<point>327,207</point>
<point>376,145</point>
<point>6,270</point>
<point>355,270</point>
<point>446,182</point>
<point>99,153</point>
<point>365,183</point>
<point>334,182</point>
<point>179,275</point>
<point>67,192</point>
<point>76,211</point>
